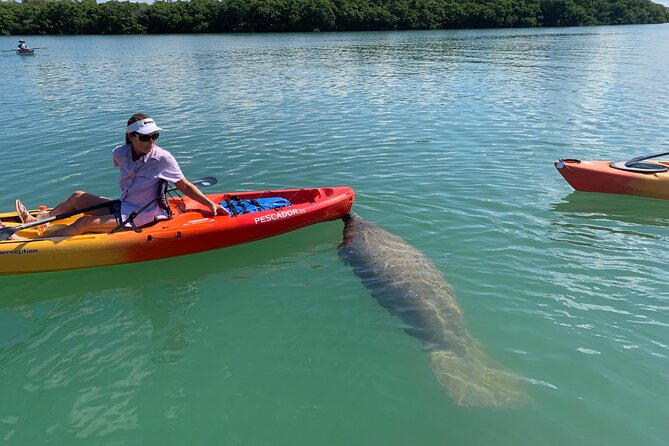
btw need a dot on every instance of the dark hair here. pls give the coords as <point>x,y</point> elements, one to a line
<point>134,118</point>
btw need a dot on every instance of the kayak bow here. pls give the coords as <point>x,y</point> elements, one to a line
<point>192,229</point>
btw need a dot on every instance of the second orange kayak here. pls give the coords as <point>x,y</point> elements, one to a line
<point>649,180</point>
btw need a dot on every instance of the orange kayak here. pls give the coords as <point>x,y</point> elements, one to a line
<point>192,229</point>
<point>648,179</point>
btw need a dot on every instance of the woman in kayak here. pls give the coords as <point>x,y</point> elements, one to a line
<point>22,45</point>
<point>144,167</point>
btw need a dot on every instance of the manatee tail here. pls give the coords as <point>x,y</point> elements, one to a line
<point>477,381</point>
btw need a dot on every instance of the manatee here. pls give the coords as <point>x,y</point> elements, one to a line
<point>410,287</point>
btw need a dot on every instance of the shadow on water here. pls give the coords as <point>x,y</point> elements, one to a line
<point>614,222</point>
<point>410,287</point>
<point>102,339</point>
<point>627,209</point>
<point>284,250</point>
<point>161,293</point>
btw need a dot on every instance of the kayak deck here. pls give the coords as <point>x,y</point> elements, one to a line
<point>599,176</point>
<point>191,229</point>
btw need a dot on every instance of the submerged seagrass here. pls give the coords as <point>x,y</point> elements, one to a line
<point>409,286</point>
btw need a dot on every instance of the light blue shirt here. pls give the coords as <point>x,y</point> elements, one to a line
<point>140,181</point>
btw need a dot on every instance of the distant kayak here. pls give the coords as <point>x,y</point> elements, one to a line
<point>643,179</point>
<point>255,216</point>
<point>26,52</point>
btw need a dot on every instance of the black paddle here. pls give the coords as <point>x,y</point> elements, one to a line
<point>35,48</point>
<point>634,161</point>
<point>7,232</point>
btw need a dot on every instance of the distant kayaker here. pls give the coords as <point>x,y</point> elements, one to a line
<point>144,167</point>
<point>22,45</point>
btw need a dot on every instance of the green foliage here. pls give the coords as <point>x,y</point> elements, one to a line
<point>197,16</point>
<point>599,12</point>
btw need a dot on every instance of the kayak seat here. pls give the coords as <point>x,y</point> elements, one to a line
<point>163,202</point>
<point>163,199</point>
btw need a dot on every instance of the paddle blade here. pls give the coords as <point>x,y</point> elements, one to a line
<point>5,233</point>
<point>205,182</point>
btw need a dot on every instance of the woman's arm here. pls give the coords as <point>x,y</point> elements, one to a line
<point>190,190</point>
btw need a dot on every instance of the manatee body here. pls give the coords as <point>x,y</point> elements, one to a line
<point>410,287</point>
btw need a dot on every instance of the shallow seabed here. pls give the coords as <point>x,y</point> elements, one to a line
<point>448,138</point>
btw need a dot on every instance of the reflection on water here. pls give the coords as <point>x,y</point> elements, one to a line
<point>127,322</point>
<point>632,210</point>
<point>177,272</point>
<point>617,223</point>
<point>606,245</point>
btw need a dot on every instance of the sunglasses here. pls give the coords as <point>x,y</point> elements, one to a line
<point>145,138</point>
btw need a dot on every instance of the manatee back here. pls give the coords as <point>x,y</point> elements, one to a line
<point>373,251</point>
<point>403,281</point>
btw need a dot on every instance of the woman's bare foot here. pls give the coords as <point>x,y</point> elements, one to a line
<point>23,213</point>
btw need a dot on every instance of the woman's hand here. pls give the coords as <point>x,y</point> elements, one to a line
<point>217,209</point>
<point>190,190</point>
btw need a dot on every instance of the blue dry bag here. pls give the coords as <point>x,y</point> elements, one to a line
<point>237,206</point>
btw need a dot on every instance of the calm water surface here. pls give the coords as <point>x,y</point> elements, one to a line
<point>448,139</point>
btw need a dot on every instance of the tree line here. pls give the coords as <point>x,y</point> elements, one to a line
<point>222,16</point>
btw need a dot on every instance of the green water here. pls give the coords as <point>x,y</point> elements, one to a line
<point>448,139</point>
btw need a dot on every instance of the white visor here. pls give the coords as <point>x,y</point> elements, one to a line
<point>144,127</point>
